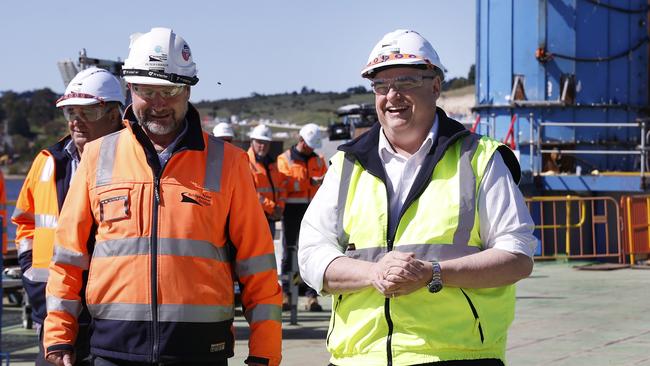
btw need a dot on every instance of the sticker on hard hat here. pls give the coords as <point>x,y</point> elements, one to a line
<point>186,52</point>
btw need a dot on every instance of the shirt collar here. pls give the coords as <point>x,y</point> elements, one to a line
<point>386,151</point>
<point>71,149</point>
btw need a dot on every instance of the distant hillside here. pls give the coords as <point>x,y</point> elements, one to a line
<point>315,107</point>
<point>298,108</point>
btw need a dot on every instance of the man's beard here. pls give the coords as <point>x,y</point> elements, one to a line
<point>152,126</point>
<point>156,128</point>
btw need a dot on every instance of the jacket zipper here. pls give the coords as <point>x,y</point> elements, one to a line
<point>154,269</point>
<point>471,305</point>
<point>327,342</point>
<point>389,321</point>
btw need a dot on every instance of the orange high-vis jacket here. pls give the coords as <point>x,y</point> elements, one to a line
<point>36,215</point>
<point>3,212</point>
<point>301,188</point>
<point>271,185</point>
<point>168,242</point>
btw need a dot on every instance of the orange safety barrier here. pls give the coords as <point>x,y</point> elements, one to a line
<point>636,226</point>
<point>575,227</point>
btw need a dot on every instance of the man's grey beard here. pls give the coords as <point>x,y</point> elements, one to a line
<point>158,129</point>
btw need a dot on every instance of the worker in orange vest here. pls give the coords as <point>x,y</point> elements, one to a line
<point>305,171</point>
<point>271,185</point>
<point>92,106</point>
<point>3,212</point>
<point>174,215</point>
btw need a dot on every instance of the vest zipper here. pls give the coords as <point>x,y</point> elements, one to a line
<point>327,342</point>
<point>471,305</point>
<point>389,320</point>
<point>154,269</point>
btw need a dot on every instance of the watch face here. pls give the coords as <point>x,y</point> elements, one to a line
<point>434,286</point>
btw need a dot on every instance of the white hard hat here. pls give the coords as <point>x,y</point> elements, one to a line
<point>401,47</point>
<point>311,134</point>
<point>159,57</point>
<point>91,86</point>
<point>223,129</point>
<point>261,132</point>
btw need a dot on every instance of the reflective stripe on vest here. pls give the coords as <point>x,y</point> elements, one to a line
<point>72,307</point>
<point>297,199</point>
<point>66,256</point>
<point>166,246</point>
<point>214,164</point>
<point>467,191</point>
<point>263,312</point>
<point>166,312</point>
<point>260,263</point>
<point>45,221</point>
<point>37,274</point>
<point>25,245</point>
<point>23,215</point>
<point>106,159</point>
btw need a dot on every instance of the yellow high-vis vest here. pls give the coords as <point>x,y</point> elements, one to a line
<point>440,224</point>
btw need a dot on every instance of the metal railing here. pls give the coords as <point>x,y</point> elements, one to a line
<point>576,227</point>
<point>636,226</point>
<point>641,150</point>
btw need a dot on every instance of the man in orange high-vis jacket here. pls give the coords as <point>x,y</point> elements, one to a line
<point>92,106</point>
<point>175,217</point>
<point>305,171</point>
<point>271,185</point>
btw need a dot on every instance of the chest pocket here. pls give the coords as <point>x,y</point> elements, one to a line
<point>118,210</point>
<point>114,205</point>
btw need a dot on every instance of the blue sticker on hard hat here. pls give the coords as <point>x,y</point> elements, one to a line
<point>158,49</point>
<point>186,52</point>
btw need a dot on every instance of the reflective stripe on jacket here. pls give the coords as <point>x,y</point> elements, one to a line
<point>168,239</point>
<point>300,186</point>
<point>35,216</point>
<point>271,185</point>
<point>440,222</point>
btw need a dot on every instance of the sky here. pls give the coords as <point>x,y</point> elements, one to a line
<point>264,47</point>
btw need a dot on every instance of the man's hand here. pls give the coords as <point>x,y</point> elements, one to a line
<point>398,273</point>
<point>61,358</point>
<point>277,213</point>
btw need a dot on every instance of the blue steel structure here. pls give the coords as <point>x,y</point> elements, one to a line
<point>572,77</point>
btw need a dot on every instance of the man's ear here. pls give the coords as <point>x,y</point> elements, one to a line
<point>437,87</point>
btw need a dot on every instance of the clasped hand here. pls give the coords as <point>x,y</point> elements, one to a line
<point>399,273</point>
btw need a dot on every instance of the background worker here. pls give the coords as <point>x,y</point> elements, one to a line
<point>3,212</point>
<point>271,185</point>
<point>223,131</point>
<point>419,230</point>
<point>92,107</point>
<point>305,171</point>
<point>173,212</point>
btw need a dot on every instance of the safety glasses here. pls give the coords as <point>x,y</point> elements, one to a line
<point>84,113</point>
<point>149,92</point>
<point>400,83</point>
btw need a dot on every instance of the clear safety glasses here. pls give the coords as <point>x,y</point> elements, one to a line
<point>149,92</point>
<point>84,113</point>
<point>400,83</point>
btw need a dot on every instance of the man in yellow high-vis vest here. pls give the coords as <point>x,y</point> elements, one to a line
<point>419,230</point>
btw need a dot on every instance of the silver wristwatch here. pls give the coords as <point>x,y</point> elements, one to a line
<point>435,284</point>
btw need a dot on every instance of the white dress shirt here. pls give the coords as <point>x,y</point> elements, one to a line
<point>505,222</point>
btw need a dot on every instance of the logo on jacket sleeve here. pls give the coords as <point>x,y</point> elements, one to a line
<point>197,199</point>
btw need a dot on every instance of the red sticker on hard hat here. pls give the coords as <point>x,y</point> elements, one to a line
<point>186,52</point>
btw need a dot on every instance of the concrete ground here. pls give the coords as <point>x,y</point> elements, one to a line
<point>564,317</point>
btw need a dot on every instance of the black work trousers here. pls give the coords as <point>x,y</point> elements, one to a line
<point>293,214</point>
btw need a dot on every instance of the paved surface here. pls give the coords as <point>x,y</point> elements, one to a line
<point>564,317</point>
